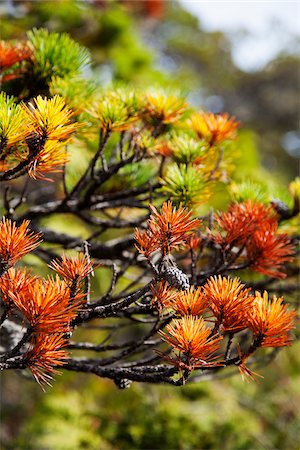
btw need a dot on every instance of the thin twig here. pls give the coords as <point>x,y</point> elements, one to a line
<point>14,351</point>
<point>87,280</point>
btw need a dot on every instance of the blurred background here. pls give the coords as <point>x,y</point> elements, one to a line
<point>238,57</point>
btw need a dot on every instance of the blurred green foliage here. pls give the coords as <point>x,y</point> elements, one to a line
<point>82,412</point>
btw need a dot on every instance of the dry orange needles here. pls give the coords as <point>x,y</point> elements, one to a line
<point>271,321</point>
<point>190,302</point>
<point>166,230</point>
<point>191,336</point>
<point>11,54</point>
<point>194,241</point>
<point>162,295</point>
<point>46,354</point>
<point>47,305</point>
<point>214,128</point>
<point>15,280</point>
<point>268,251</point>
<point>229,302</point>
<point>15,242</point>
<point>254,228</point>
<point>72,268</point>
<point>241,221</point>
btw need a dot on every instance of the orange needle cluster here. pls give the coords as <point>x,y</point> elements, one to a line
<point>191,336</point>
<point>11,54</point>
<point>194,343</point>
<point>18,280</point>
<point>75,268</point>
<point>229,302</point>
<point>162,295</point>
<point>45,354</point>
<point>241,221</point>
<point>268,251</point>
<point>271,321</point>
<point>47,305</point>
<point>254,226</point>
<point>189,302</point>
<point>15,242</point>
<point>194,241</point>
<point>214,128</point>
<point>166,230</point>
